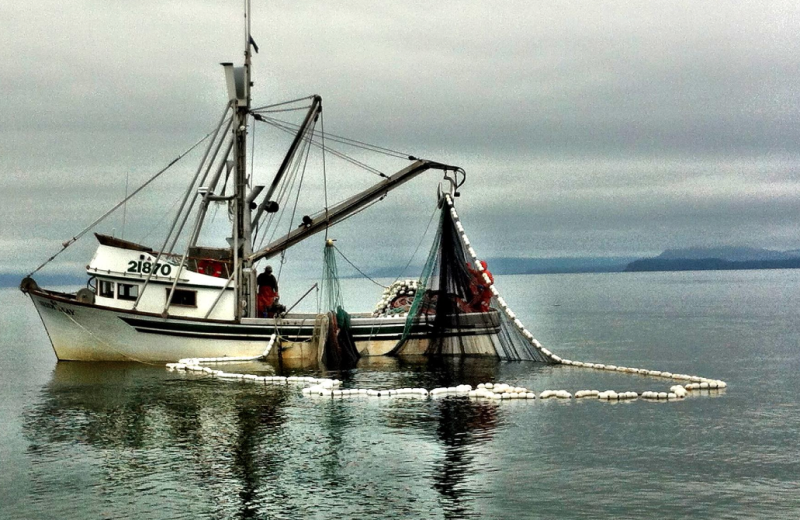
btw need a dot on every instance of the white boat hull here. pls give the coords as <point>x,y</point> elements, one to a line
<point>82,332</point>
<point>87,332</point>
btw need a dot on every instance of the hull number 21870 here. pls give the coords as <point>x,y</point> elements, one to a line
<point>147,267</point>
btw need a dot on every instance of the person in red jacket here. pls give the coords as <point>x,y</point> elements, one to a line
<point>267,291</point>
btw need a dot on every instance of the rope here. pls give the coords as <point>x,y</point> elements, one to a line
<point>365,275</point>
<point>353,214</point>
<point>125,206</point>
<point>419,244</point>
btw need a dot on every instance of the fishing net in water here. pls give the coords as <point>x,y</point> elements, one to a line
<point>453,311</point>
<point>513,346</point>
<point>339,348</point>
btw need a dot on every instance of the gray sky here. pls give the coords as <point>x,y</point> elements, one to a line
<point>586,128</point>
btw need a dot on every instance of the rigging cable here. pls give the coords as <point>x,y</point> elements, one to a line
<point>288,129</point>
<point>252,156</point>
<point>199,181</point>
<point>367,146</point>
<point>325,148</point>
<point>353,214</point>
<point>287,186</point>
<point>299,187</point>
<point>352,142</point>
<point>424,234</point>
<point>160,253</point>
<point>296,201</point>
<point>77,237</point>
<point>282,103</point>
<point>161,220</point>
<point>292,128</point>
<point>125,206</point>
<point>324,172</point>
<point>306,107</point>
<point>359,270</point>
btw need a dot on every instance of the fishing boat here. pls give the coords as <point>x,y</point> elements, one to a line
<point>152,303</point>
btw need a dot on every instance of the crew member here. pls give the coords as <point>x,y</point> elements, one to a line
<point>267,291</point>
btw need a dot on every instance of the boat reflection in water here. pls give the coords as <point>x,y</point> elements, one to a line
<point>110,436</point>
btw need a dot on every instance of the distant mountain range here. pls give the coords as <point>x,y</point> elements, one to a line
<point>731,254</point>
<point>690,259</point>
<point>717,258</point>
<point>505,265</point>
<point>509,265</point>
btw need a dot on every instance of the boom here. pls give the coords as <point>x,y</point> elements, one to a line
<point>325,219</point>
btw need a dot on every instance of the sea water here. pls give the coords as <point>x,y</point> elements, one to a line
<point>136,441</point>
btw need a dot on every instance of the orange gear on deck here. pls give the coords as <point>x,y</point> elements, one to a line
<point>481,291</point>
<point>266,298</point>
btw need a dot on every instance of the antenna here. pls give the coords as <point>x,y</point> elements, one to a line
<point>239,79</point>
<point>125,206</point>
<point>247,41</point>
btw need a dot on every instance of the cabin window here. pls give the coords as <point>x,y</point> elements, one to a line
<point>184,298</point>
<point>106,289</point>
<point>127,291</point>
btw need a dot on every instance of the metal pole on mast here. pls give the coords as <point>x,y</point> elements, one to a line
<point>245,288</point>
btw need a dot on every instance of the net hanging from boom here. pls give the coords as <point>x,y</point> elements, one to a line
<point>453,312</point>
<point>339,349</point>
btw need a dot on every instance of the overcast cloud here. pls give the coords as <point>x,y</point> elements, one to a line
<point>586,128</point>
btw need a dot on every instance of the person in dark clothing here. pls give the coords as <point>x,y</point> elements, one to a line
<point>267,292</point>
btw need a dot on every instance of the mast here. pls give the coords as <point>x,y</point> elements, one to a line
<point>238,79</point>
<point>246,286</point>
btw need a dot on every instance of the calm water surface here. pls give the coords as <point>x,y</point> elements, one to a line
<point>135,441</point>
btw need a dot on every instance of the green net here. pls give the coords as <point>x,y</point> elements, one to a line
<point>339,350</point>
<point>331,294</point>
<point>427,271</point>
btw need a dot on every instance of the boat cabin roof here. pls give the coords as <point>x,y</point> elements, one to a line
<point>122,244</point>
<point>222,254</point>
